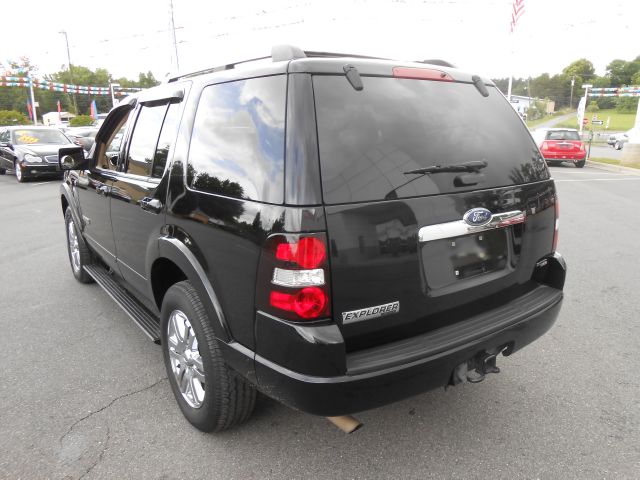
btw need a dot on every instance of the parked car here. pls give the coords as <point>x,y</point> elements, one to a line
<point>333,231</point>
<point>31,151</point>
<point>559,145</point>
<point>82,136</point>
<point>617,140</point>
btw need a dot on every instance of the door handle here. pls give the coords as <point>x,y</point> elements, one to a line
<point>152,205</point>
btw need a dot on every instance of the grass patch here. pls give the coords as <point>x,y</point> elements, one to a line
<point>618,122</point>
<point>613,161</point>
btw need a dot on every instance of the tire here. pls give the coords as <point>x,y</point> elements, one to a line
<point>79,254</point>
<point>617,146</point>
<point>20,176</point>
<point>213,397</point>
<point>3,171</point>
<point>580,164</point>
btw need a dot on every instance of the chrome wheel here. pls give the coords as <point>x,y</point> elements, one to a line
<point>185,359</point>
<point>74,248</point>
<point>18,171</point>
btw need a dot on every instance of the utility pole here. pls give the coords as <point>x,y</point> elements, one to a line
<point>75,101</point>
<point>173,33</point>
<point>573,81</point>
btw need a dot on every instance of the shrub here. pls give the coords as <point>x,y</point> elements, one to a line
<point>12,117</point>
<point>81,121</point>
<point>627,105</point>
<point>593,106</point>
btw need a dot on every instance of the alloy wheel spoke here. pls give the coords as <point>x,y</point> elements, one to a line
<point>185,379</point>
<point>198,374</point>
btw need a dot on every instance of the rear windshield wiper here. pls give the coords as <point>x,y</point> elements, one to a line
<point>456,167</point>
<point>471,167</point>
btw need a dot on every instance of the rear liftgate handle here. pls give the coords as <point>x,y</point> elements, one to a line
<point>152,205</point>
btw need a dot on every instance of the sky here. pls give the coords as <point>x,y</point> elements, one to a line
<point>128,37</point>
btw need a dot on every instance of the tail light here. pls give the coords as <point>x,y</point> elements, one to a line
<point>545,146</point>
<point>557,224</point>
<point>293,277</point>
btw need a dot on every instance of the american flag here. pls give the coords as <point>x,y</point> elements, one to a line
<point>516,13</point>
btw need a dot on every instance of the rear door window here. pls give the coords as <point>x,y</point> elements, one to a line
<point>144,139</point>
<point>370,139</point>
<point>237,144</point>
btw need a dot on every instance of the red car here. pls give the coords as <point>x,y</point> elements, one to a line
<point>561,145</point>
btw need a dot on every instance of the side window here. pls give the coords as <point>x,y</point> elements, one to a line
<point>167,139</point>
<point>108,156</point>
<point>4,136</point>
<point>237,145</point>
<point>144,139</point>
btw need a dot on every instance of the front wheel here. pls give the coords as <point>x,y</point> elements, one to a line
<point>211,396</point>
<point>79,254</point>
<point>3,171</point>
<point>581,163</point>
<point>20,176</point>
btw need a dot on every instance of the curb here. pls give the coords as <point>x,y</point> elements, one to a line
<point>613,168</point>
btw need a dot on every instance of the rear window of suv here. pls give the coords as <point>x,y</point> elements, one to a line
<point>368,139</point>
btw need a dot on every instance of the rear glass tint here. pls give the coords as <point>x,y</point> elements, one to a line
<point>237,145</point>
<point>368,139</point>
<point>563,135</point>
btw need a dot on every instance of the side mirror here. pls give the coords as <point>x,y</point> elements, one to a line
<point>6,145</point>
<point>72,158</point>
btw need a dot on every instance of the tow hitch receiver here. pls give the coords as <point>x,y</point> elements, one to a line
<point>475,369</point>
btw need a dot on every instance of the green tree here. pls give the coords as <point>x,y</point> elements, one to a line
<point>582,69</point>
<point>622,72</point>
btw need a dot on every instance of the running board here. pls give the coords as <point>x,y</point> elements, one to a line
<point>141,316</point>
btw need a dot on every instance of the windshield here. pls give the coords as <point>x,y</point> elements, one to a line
<point>368,139</point>
<point>563,135</point>
<point>38,136</point>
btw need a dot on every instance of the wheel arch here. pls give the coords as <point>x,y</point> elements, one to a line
<point>66,200</point>
<point>178,263</point>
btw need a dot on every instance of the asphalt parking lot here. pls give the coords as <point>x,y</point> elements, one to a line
<point>83,393</point>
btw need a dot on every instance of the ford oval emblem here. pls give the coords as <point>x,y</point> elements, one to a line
<point>477,217</point>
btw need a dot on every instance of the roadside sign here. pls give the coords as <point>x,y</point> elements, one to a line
<point>598,122</point>
<point>585,121</point>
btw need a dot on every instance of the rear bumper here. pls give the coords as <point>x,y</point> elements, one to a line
<point>402,369</point>
<point>565,156</point>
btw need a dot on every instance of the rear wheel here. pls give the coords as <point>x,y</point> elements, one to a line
<point>211,396</point>
<point>618,146</point>
<point>581,163</point>
<point>3,171</point>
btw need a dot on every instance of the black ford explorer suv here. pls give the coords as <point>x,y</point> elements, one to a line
<point>338,232</point>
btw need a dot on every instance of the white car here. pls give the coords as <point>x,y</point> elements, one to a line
<point>617,140</point>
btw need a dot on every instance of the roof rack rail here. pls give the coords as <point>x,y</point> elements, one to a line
<point>338,55</point>
<point>279,53</point>
<point>282,53</point>
<point>437,61</point>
